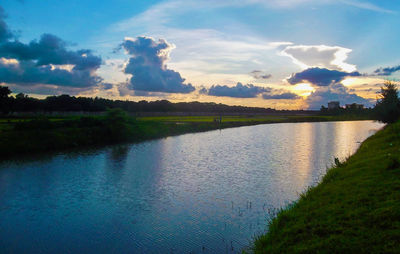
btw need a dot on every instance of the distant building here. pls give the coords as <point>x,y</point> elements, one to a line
<point>333,105</point>
<point>354,106</point>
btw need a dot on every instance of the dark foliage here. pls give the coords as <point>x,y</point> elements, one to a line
<point>387,108</point>
<point>4,99</point>
<point>67,103</point>
<point>350,112</point>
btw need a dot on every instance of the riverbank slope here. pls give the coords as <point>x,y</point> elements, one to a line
<point>355,209</point>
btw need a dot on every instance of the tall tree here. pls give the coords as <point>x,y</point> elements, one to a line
<point>388,106</point>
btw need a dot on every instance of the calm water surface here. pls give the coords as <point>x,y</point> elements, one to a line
<point>196,193</point>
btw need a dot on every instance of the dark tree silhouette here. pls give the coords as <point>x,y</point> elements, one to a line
<point>67,103</point>
<point>4,99</point>
<point>388,106</point>
<point>4,92</point>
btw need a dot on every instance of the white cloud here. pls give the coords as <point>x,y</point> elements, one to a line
<point>366,5</point>
<point>208,51</point>
<point>201,53</point>
<point>112,70</point>
<point>330,57</point>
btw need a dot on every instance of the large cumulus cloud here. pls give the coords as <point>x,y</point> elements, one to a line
<point>328,87</point>
<point>46,61</point>
<point>331,57</point>
<point>148,68</point>
<point>335,92</point>
<point>320,76</point>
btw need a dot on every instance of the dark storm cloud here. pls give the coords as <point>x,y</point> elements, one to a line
<point>282,96</point>
<point>336,92</point>
<point>39,62</point>
<point>387,71</point>
<point>238,91</point>
<point>148,67</point>
<point>320,76</point>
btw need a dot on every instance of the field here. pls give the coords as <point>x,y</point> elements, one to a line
<point>211,118</point>
<point>250,118</point>
<point>51,134</point>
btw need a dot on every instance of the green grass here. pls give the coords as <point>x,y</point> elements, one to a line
<point>32,135</point>
<point>355,209</point>
<point>211,118</point>
<point>50,135</point>
<point>260,119</point>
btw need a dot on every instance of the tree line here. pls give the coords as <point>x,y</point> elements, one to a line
<point>66,103</point>
<point>387,108</point>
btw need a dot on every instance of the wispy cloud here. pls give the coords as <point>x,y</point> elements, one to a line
<point>210,55</point>
<point>366,5</point>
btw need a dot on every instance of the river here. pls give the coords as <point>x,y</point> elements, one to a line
<point>208,192</point>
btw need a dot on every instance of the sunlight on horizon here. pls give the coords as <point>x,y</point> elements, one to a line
<point>303,89</point>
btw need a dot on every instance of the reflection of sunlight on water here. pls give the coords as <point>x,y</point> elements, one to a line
<point>204,192</point>
<point>351,135</point>
<point>302,152</point>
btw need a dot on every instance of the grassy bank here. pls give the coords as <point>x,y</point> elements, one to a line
<point>355,209</point>
<point>35,135</point>
<point>256,118</point>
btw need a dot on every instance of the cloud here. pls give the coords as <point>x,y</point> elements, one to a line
<point>45,62</point>
<point>49,89</point>
<point>295,3</point>
<point>320,76</point>
<point>259,75</point>
<point>124,90</point>
<point>331,57</point>
<point>204,55</point>
<point>28,73</point>
<point>336,92</point>
<point>328,87</point>
<point>5,33</point>
<point>387,71</point>
<point>366,6</point>
<point>148,68</point>
<point>248,91</point>
<point>282,96</point>
<point>107,86</point>
<point>50,50</point>
<point>238,91</point>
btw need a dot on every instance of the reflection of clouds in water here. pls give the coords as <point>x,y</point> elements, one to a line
<point>213,189</point>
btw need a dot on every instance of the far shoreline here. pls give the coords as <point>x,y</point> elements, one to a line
<point>82,132</point>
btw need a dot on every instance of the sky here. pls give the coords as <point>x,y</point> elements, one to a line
<point>283,54</point>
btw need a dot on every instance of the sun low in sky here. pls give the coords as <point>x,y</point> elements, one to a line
<point>284,54</point>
